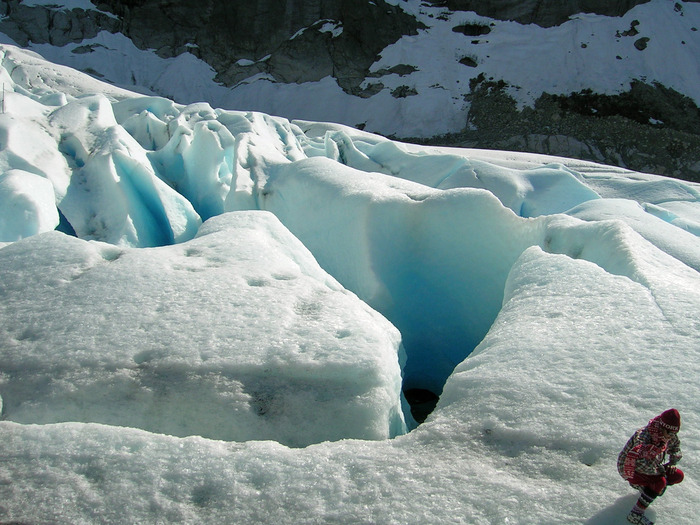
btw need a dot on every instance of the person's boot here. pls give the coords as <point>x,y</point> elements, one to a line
<point>637,517</point>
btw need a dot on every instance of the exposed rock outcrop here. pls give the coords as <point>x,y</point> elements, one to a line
<point>58,27</point>
<point>649,128</point>
<point>545,13</point>
<point>292,41</point>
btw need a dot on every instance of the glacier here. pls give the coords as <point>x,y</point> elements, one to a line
<point>209,317</point>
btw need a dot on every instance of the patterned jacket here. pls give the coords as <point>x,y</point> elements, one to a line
<point>645,452</point>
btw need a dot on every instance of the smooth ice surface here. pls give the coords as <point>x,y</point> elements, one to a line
<point>554,302</point>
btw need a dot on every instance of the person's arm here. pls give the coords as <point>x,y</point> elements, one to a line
<point>674,452</point>
<point>650,456</point>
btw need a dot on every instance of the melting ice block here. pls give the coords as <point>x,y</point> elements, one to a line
<point>235,335</point>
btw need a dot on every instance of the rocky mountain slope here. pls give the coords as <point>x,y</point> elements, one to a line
<point>614,82</point>
<point>544,13</point>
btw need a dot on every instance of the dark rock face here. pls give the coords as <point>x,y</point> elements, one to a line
<point>41,25</point>
<point>292,41</point>
<point>472,29</point>
<point>649,128</point>
<point>545,13</point>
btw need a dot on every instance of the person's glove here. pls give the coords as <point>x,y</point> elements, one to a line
<point>669,469</point>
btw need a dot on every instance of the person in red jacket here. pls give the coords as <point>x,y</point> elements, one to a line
<point>642,461</point>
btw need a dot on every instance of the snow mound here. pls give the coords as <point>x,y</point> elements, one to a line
<point>27,205</point>
<point>275,349</point>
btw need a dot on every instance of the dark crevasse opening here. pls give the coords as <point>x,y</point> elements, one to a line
<point>421,402</point>
<point>434,262</point>
<point>64,226</point>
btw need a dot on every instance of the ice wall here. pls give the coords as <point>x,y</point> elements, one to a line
<point>103,183</point>
<point>433,261</point>
<point>27,205</point>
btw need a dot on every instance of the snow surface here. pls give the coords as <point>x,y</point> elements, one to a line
<point>586,52</point>
<point>211,334</point>
<point>278,343</point>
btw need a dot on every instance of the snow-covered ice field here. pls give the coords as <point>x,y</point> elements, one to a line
<point>220,328</point>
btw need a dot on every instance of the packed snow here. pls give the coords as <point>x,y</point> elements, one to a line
<point>586,52</point>
<point>279,342</point>
<point>209,316</point>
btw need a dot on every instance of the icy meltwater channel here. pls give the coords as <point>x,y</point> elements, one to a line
<point>195,298</point>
